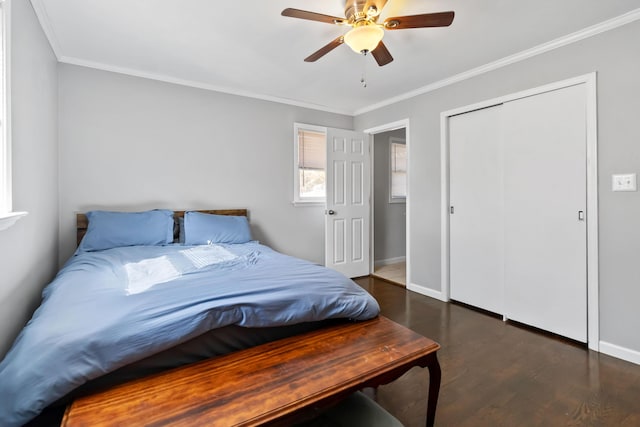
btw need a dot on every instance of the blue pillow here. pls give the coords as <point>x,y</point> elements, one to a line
<point>203,229</point>
<point>115,229</point>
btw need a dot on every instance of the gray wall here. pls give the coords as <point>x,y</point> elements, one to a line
<point>614,56</point>
<point>131,143</point>
<point>389,219</point>
<point>28,250</point>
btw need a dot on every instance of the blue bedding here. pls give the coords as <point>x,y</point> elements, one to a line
<point>110,308</point>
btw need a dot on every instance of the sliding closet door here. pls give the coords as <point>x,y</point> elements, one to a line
<point>545,252</point>
<point>476,223</point>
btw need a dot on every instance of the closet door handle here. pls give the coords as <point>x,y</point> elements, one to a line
<point>580,215</point>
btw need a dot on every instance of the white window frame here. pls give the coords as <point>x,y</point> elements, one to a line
<point>392,141</point>
<point>7,216</point>
<point>297,200</point>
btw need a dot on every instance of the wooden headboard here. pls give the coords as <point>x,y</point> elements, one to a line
<point>82,222</point>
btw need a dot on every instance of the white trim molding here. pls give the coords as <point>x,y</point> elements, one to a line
<point>620,352</point>
<point>7,217</point>
<point>399,124</point>
<point>389,261</point>
<point>200,85</point>
<point>388,127</point>
<point>45,22</point>
<point>589,80</point>
<point>577,36</point>
<point>423,290</point>
<point>7,220</point>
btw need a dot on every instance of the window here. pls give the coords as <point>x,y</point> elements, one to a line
<point>7,217</point>
<point>398,172</point>
<point>310,150</point>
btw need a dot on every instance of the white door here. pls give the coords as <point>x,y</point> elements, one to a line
<point>518,237</point>
<point>545,203</point>
<point>348,206</point>
<point>476,209</point>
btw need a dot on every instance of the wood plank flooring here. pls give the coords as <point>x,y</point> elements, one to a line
<point>504,374</point>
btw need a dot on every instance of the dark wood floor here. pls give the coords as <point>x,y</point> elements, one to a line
<point>504,374</point>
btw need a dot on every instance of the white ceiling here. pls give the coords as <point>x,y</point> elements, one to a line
<point>247,48</point>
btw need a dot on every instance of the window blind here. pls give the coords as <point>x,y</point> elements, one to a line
<point>311,150</point>
<point>398,170</point>
<point>398,158</point>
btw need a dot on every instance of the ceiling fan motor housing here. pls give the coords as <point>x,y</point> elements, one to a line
<point>361,10</point>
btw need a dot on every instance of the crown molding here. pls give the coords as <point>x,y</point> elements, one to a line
<point>199,85</point>
<point>45,23</point>
<point>577,36</point>
<point>629,17</point>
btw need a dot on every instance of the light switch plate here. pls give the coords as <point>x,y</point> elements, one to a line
<point>624,182</point>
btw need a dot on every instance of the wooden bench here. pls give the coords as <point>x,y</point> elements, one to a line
<point>277,383</point>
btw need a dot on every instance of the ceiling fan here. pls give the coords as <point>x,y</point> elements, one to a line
<point>366,33</point>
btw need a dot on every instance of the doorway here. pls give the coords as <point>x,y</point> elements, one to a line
<point>389,202</point>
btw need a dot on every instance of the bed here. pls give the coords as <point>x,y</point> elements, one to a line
<point>159,290</point>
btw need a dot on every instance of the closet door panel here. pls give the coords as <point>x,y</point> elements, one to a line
<point>544,191</point>
<point>476,236</point>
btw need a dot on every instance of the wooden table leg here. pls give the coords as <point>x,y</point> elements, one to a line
<point>434,388</point>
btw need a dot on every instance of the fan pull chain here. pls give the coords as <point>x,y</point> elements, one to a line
<point>363,78</point>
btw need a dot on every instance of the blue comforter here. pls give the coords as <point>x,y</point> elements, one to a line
<point>110,308</point>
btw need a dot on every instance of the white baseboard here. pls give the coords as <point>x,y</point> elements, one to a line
<point>620,352</point>
<point>381,262</point>
<point>426,291</point>
<point>609,349</point>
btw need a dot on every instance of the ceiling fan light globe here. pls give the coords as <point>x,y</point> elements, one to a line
<point>364,38</point>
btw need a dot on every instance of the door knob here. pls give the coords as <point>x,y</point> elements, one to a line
<point>331,212</point>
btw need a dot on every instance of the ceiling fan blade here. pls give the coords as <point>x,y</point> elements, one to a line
<point>312,16</point>
<point>324,50</point>
<point>381,54</point>
<point>441,19</point>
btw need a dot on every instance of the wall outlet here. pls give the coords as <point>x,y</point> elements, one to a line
<point>624,182</point>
